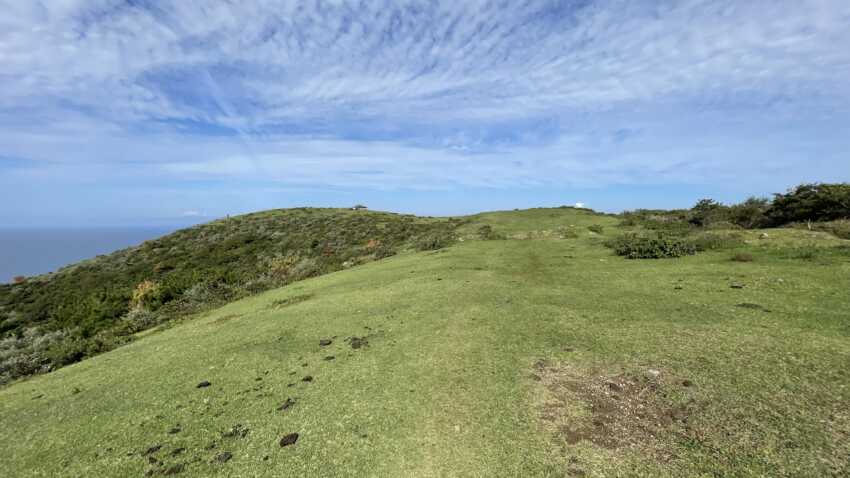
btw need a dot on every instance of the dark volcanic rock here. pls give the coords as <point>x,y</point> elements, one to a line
<point>152,450</point>
<point>308,378</point>
<point>358,342</point>
<point>203,384</point>
<point>174,430</point>
<point>287,404</point>
<point>325,342</point>
<point>289,439</point>
<point>235,431</point>
<point>329,357</point>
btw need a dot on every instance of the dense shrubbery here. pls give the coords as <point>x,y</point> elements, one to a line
<point>82,310</point>
<point>651,246</point>
<point>821,206</point>
<point>487,233</point>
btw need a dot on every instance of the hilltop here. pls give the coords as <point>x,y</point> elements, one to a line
<point>526,347</point>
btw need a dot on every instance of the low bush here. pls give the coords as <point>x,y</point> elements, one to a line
<point>433,242</point>
<point>657,246</point>
<point>487,233</point>
<point>595,228</point>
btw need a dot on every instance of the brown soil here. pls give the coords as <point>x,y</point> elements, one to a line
<point>612,411</point>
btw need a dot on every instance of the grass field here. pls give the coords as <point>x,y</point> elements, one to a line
<point>540,355</point>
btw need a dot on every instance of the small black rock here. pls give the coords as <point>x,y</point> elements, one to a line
<point>325,342</point>
<point>177,451</point>
<point>203,384</point>
<point>174,430</point>
<point>287,404</point>
<point>289,439</point>
<point>152,450</point>
<point>329,357</point>
<point>308,378</point>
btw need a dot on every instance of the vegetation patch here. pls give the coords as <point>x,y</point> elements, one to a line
<point>651,246</point>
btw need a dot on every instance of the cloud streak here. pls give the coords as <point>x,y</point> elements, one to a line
<point>426,94</point>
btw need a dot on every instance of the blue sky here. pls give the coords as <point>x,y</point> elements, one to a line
<point>146,112</point>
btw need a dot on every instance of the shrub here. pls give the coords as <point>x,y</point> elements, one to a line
<point>811,202</point>
<point>433,242</point>
<point>658,246</point>
<point>743,257</point>
<point>144,294</point>
<point>383,251</point>
<point>487,233</point>
<point>750,214</point>
<point>595,228</point>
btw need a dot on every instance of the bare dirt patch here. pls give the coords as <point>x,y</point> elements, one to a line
<point>613,410</point>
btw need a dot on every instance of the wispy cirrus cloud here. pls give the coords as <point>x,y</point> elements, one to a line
<point>427,94</point>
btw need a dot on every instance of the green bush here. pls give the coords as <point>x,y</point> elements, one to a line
<point>595,228</point>
<point>657,246</point>
<point>811,202</point>
<point>487,233</point>
<point>433,242</point>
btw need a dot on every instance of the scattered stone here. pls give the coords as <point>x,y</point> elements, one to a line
<point>653,373</point>
<point>736,285</point>
<point>152,450</point>
<point>258,379</point>
<point>174,430</point>
<point>325,342</point>
<point>173,469</point>
<point>329,357</point>
<point>152,460</point>
<point>235,431</point>
<point>308,378</point>
<point>358,342</point>
<point>75,390</point>
<point>678,287</point>
<point>289,439</point>
<point>613,386</point>
<point>223,457</point>
<point>287,404</point>
<point>203,384</point>
<point>38,396</point>
<point>266,458</point>
<point>687,383</point>
<point>177,451</point>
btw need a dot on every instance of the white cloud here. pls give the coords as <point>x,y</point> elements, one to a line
<point>411,94</point>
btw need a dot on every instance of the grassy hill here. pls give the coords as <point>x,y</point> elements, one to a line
<point>541,354</point>
<point>82,310</point>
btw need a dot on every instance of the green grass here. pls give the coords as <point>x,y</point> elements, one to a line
<point>448,384</point>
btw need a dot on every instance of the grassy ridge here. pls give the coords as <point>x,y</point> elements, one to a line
<point>489,358</point>
<point>80,311</point>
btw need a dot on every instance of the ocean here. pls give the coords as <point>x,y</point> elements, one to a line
<point>28,252</point>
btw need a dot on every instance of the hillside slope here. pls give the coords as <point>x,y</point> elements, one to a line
<point>84,309</point>
<point>545,356</point>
